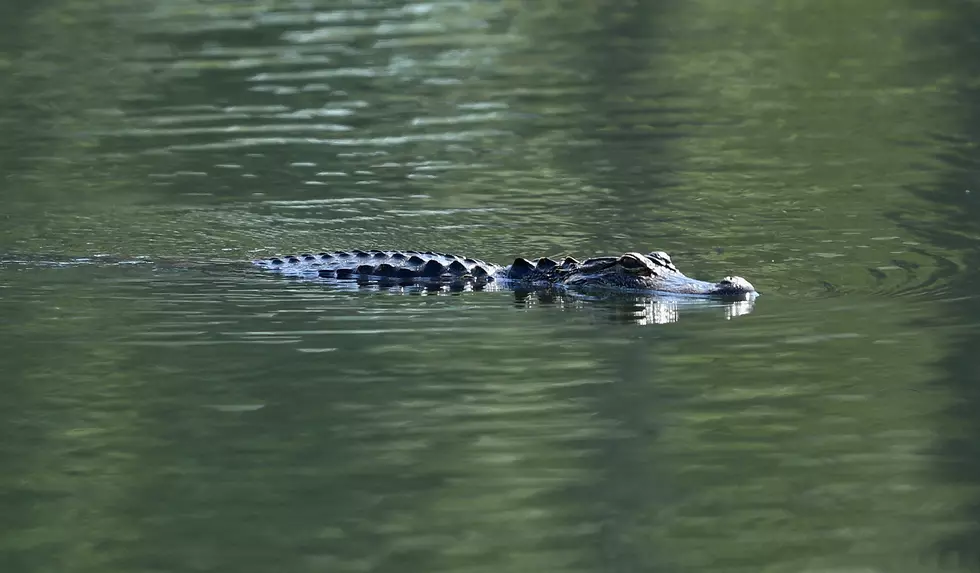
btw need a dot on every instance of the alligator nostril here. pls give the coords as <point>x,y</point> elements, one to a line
<point>737,284</point>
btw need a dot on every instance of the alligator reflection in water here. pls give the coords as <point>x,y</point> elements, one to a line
<point>625,308</point>
<point>640,310</point>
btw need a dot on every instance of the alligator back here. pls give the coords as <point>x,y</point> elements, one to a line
<point>393,266</point>
<point>630,272</point>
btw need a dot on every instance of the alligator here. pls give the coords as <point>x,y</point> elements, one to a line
<point>652,272</point>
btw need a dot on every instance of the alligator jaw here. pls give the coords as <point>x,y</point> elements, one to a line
<point>733,288</point>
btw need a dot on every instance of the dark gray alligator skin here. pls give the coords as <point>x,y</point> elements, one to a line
<point>400,266</point>
<point>630,272</point>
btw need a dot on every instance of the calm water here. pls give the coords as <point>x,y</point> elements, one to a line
<point>166,409</point>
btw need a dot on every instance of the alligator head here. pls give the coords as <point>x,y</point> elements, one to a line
<point>651,272</point>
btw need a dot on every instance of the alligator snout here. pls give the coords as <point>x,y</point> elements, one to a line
<point>735,286</point>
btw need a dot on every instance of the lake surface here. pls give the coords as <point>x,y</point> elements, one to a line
<point>165,408</point>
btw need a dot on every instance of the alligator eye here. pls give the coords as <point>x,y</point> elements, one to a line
<point>632,262</point>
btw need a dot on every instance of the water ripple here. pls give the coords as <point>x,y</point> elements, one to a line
<point>352,142</point>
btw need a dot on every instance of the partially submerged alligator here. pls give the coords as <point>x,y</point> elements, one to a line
<point>631,272</point>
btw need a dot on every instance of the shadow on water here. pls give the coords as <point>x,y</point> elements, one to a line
<point>624,123</point>
<point>626,140</point>
<point>955,225</point>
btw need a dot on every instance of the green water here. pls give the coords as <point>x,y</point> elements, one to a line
<point>166,409</point>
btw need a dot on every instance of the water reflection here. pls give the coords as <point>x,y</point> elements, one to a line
<point>639,310</point>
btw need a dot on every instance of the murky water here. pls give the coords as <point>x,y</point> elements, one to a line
<point>167,408</point>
